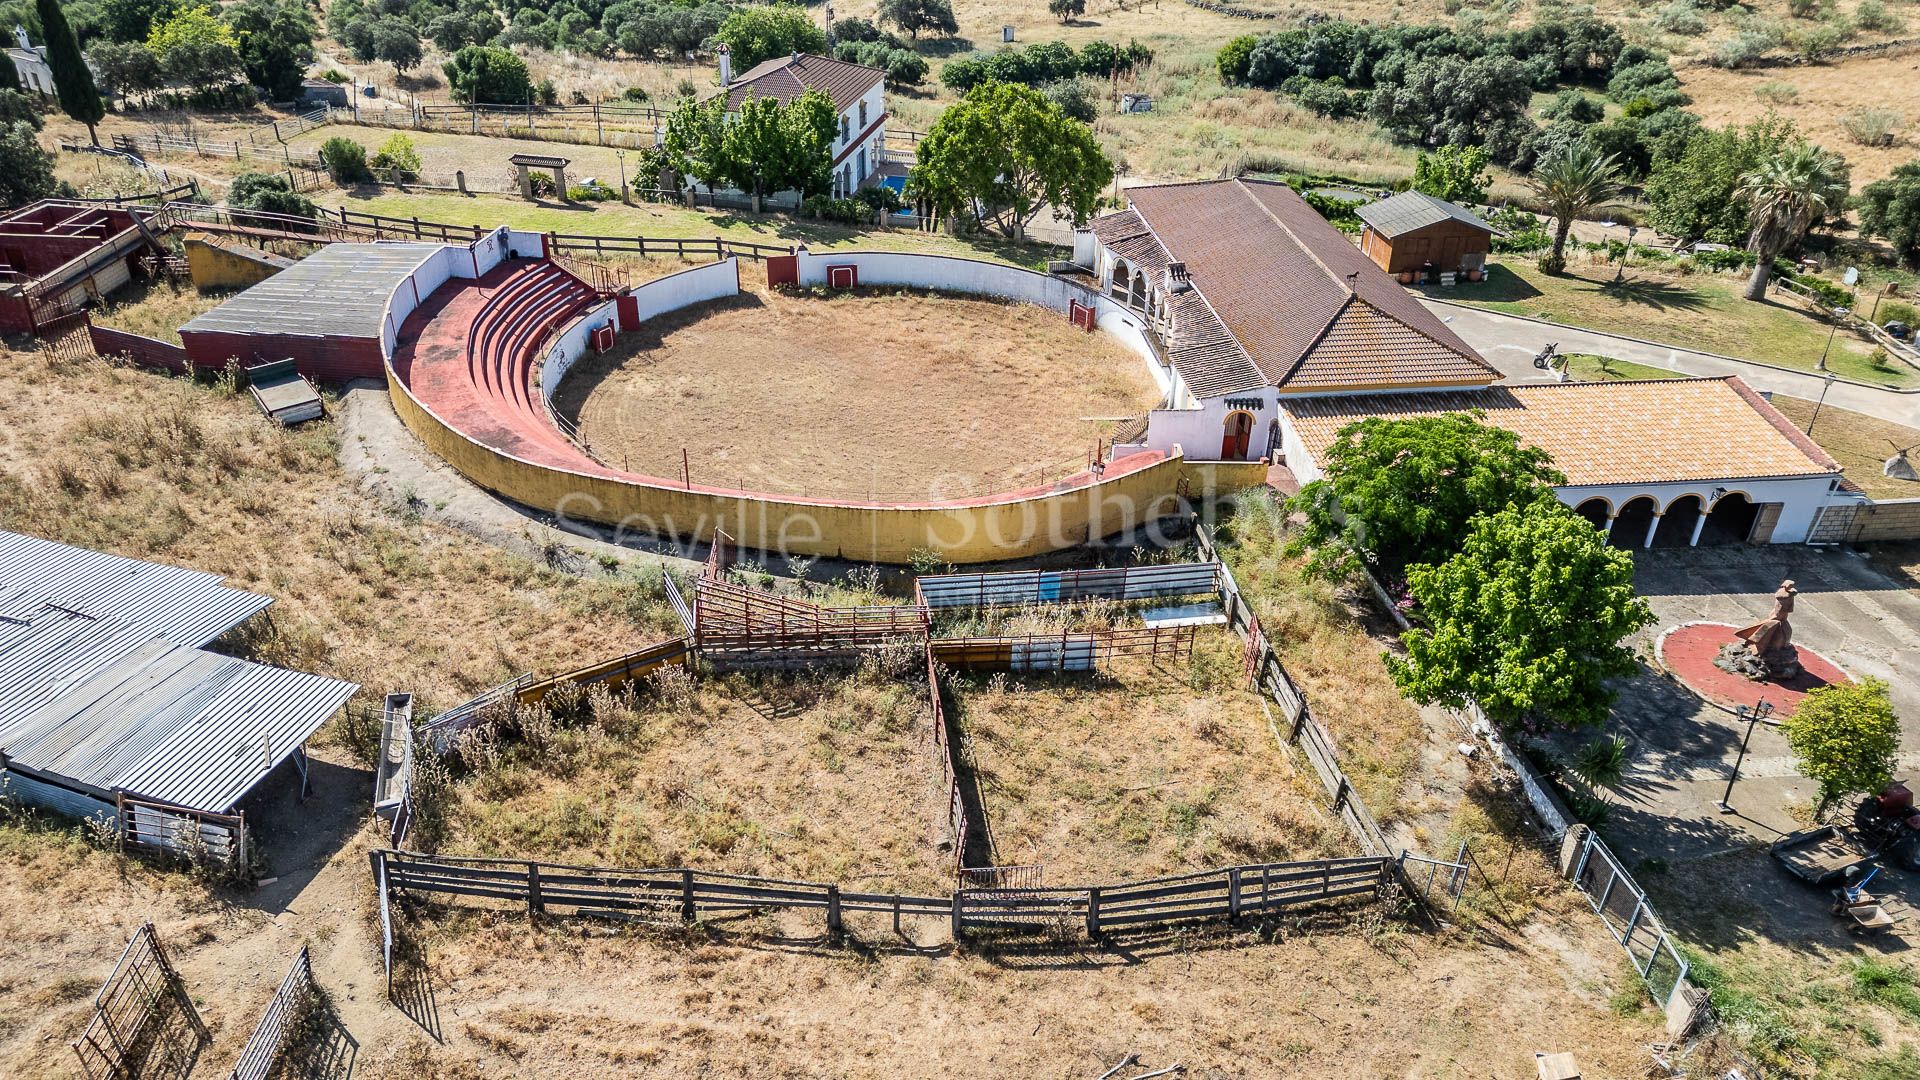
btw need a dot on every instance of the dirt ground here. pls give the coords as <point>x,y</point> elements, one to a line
<point>904,396</point>
<point>1822,95</point>
<point>1142,770</point>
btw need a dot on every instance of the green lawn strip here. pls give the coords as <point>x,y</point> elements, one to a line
<point>652,219</point>
<point>1587,367</point>
<point>1702,311</point>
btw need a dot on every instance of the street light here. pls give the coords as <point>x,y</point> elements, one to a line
<point>1751,716</point>
<point>1825,385</point>
<point>1620,272</point>
<point>1836,315</point>
<point>622,155</point>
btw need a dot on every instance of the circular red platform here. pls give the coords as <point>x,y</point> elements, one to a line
<point>1688,651</point>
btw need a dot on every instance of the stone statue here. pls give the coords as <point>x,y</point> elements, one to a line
<point>1764,652</point>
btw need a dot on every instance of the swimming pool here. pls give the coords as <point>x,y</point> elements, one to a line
<point>899,186</point>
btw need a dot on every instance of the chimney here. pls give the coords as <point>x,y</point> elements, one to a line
<point>1178,280</point>
<point>726,64</point>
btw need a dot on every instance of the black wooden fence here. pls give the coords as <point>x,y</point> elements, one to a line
<point>686,895</point>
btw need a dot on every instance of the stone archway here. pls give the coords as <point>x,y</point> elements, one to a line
<point>1634,522</point>
<point>1680,523</point>
<point>1117,287</point>
<point>1597,511</point>
<point>1730,520</point>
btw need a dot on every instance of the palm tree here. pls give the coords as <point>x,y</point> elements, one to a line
<point>1790,191</point>
<point>1571,181</point>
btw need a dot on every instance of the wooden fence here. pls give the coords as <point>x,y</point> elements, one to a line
<point>143,1023</point>
<point>686,895</point>
<point>279,1021</point>
<point>278,154</point>
<point>958,825</point>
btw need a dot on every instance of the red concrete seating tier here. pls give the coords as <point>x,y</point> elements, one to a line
<point>469,352</point>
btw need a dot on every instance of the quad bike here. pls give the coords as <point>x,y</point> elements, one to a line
<point>1889,826</point>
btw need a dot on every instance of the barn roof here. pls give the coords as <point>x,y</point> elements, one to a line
<point>1654,431</point>
<point>342,290</point>
<point>1410,211</point>
<point>191,607</point>
<point>1284,299</point>
<point>784,78</point>
<point>109,706</point>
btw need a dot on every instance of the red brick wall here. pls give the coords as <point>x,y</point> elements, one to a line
<point>145,351</point>
<point>331,359</point>
<point>15,316</point>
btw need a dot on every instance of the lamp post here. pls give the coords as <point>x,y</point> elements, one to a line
<point>1620,271</point>
<point>1825,385</point>
<point>1751,716</point>
<point>622,155</point>
<point>1837,314</point>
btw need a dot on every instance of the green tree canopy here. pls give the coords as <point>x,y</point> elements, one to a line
<point>1694,188</point>
<point>695,140</point>
<point>26,171</point>
<point>1845,737</point>
<point>72,81</point>
<point>1448,99</point>
<point>276,44</point>
<point>1400,492</point>
<point>133,20</point>
<point>1453,173</point>
<point>195,48</point>
<point>754,34</point>
<point>488,75</point>
<point>1011,151</point>
<point>769,147</point>
<point>268,192</point>
<point>1890,209</point>
<point>125,67</point>
<point>1527,620</point>
<point>914,16</point>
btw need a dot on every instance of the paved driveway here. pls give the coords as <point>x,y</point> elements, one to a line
<point>1682,749</point>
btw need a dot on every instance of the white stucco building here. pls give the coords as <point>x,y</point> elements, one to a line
<point>858,95</point>
<point>30,60</point>
<point>1278,332</point>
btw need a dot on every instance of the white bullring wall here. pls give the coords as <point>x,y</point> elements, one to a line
<point>657,297</point>
<point>988,279</point>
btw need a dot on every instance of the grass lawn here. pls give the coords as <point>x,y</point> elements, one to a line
<point>1701,311</point>
<point>613,219</point>
<point>1586,367</point>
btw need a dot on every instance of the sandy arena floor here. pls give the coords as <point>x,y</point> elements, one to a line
<point>898,396</point>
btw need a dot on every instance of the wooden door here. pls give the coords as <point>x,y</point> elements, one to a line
<point>1239,434</point>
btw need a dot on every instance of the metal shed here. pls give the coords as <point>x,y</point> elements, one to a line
<point>191,607</point>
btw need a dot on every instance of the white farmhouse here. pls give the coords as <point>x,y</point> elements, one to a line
<point>1277,332</point>
<point>857,92</point>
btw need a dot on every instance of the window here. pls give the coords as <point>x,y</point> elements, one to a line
<point>845,132</point>
<point>863,116</point>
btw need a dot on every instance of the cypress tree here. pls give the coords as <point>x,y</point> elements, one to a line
<point>72,81</point>
<point>9,75</point>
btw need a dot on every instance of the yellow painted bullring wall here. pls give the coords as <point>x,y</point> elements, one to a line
<point>972,533</point>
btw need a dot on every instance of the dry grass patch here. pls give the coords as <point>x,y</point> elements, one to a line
<point>157,308</point>
<point>1325,637</point>
<point>166,469</point>
<point>1860,443</point>
<point>815,776</point>
<point>1822,97</point>
<point>1140,770</point>
<point>905,395</point>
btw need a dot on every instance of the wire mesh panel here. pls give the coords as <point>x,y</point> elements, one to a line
<point>1623,907</point>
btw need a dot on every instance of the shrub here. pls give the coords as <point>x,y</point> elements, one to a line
<point>1827,292</point>
<point>1873,15</point>
<point>1575,106</point>
<point>635,93</point>
<point>1803,9</point>
<point>1742,48</point>
<point>269,193</point>
<point>546,93</point>
<point>345,160</point>
<point>1074,99</point>
<point>1776,92</point>
<point>845,211</point>
<point>397,158</point>
<point>335,75</point>
<point>1681,17</point>
<point>1872,126</point>
<point>594,192</point>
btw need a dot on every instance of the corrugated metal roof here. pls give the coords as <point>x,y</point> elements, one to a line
<point>1410,210</point>
<point>341,290</point>
<point>111,706</point>
<point>190,607</point>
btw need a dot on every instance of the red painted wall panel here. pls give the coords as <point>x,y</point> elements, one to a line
<point>330,359</point>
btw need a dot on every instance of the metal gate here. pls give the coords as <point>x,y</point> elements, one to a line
<point>1622,906</point>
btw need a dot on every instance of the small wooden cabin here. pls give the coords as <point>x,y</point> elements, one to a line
<point>1414,232</point>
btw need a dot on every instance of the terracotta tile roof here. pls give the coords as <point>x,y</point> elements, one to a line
<point>1661,430</point>
<point>1198,344</point>
<point>787,77</point>
<point>1281,282</point>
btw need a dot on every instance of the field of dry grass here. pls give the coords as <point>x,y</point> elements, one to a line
<point>1817,97</point>
<point>910,395</point>
<point>167,469</point>
<point>816,776</point>
<point>1142,770</point>
<point>157,309</point>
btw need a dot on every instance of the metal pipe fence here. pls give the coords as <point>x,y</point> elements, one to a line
<point>278,1022</point>
<point>1623,907</point>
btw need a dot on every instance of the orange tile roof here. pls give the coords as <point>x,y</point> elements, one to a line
<point>1306,309</point>
<point>1660,430</point>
